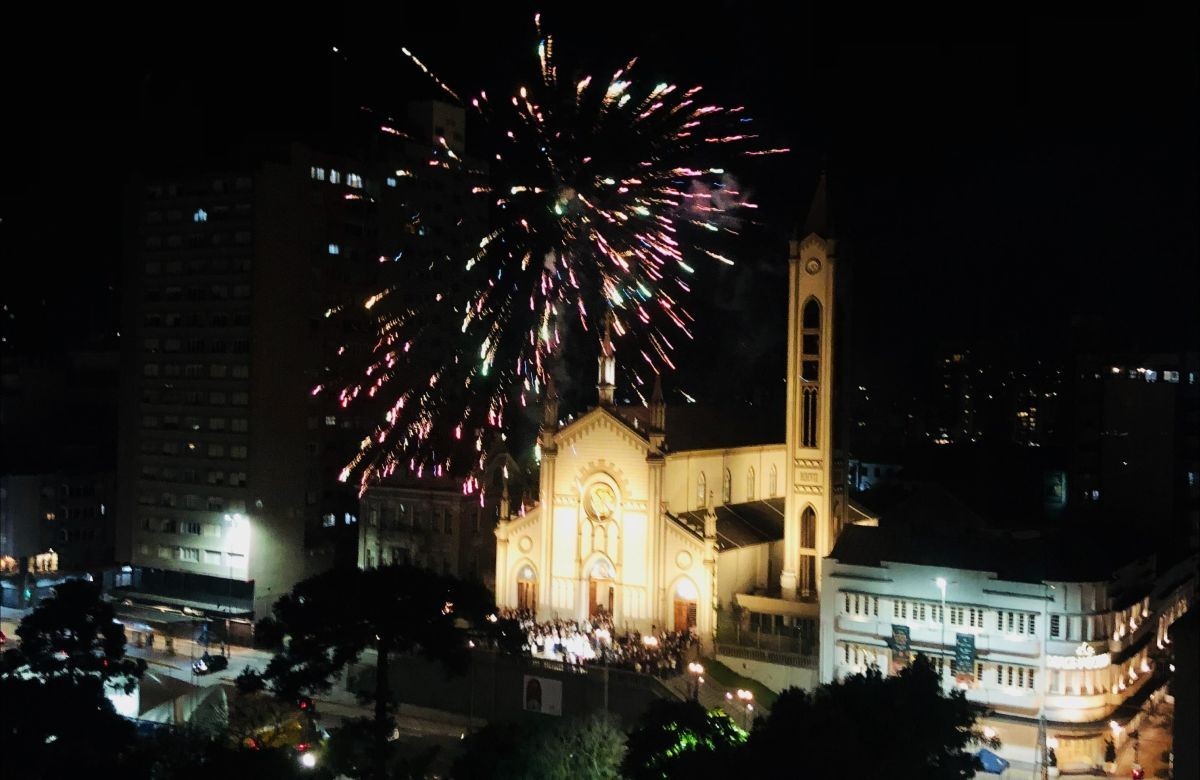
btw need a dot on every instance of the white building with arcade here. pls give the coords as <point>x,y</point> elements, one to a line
<point>1034,628</point>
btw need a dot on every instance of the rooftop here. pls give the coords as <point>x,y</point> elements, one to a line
<point>932,528</point>
<point>741,525</point>
<point>706,427</point>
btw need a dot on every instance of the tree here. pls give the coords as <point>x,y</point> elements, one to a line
<point>591,749</point>
<point>194,754</point>
<point>56,715</point>
<point>872,726</point>
<point>680,739</point>
<point>546,749</point>
<point>350,751</point>
<point>257,718</point>
<point>75,634</point>
<point>327,622</point>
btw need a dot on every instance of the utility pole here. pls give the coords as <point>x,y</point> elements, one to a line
<point>1043,758</point>
<point>606,683</point>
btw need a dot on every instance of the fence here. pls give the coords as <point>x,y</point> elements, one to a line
<point>767,656</point>
<point>774,634</point>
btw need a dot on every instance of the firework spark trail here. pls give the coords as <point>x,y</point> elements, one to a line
<point>599,194</point>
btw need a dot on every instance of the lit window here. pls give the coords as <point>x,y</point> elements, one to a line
<point>334,249</point>
<point>330,420</point>
<point>334,177</point>
<point>318,173</point>
<point>354,180</point>
<point>200,216</point>
<point>1171,376</point>
<point>391,181</point>
<point>329,521</point>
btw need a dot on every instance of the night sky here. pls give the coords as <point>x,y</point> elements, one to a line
<point>996,179</point>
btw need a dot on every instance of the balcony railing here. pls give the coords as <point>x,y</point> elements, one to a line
<point>766,656</point>
<point>792,645</point>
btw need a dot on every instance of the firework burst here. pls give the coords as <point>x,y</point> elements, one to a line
<point>602,195</point>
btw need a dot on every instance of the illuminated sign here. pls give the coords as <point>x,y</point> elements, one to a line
<point>1085,658</point>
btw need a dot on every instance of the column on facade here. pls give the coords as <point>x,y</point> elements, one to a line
<point>503,586</point>
<point>655,556</point>
<point>545,575</point>
<point>704,617</point>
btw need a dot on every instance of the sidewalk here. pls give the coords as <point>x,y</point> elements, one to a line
<point>712,697</point>
<point>1154,738</point>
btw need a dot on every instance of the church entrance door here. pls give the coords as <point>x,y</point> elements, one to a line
<point>527,596</point>
<point>601,589</point>
<point>685,615</point>
<point>600,597</point>
<point>527,590</point>
<point>686,596</point>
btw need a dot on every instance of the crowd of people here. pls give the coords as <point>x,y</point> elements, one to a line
<point>595,640</point>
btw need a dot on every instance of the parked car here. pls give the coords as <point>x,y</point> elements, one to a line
<point>207,664</point>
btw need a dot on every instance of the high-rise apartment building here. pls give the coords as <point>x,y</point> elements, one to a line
<point>1136,454</point>
<point>228,461</point>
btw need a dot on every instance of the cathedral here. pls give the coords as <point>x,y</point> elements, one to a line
<point>664,516</point>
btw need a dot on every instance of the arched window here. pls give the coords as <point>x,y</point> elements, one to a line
<point>701,491</point>
<point>726,487</point>
<point>808,561</point>
<point>750,484</point>
<point>808,528</point>
<point>810,372</point>
<point>773,481</point>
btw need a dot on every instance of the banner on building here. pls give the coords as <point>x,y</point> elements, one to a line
<point>542,694</point>
<point>964,656</point>
<point>901,648</point>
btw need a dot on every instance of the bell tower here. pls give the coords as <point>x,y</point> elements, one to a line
<point>607,383</point>
<point>809,527</point>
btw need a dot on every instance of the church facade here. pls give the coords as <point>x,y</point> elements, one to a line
<point>644,516</point>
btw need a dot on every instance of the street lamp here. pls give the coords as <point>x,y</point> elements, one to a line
<point>941,583</point>
<point>696,670</point>
<point>746,697</point>
<point>236,521</point>
<point>1043,741</point>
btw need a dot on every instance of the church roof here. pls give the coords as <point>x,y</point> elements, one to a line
<point>618,416</point>
<point>741,525</point>
<point>706,427</point>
